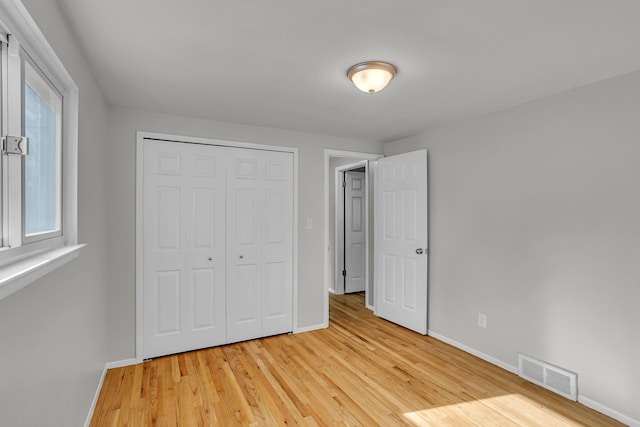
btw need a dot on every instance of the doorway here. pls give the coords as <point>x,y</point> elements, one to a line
<point>351,229</point>
<point>400,225</point>
<point>334,159</point>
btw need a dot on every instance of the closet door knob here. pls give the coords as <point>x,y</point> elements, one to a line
<point>210,258</point>
<point>241,256</point>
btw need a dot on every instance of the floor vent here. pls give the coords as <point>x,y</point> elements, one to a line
<point>551,377</point>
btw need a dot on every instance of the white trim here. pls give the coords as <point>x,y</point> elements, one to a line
<point>372,282</point>
<point>96,395</point>
<point>34,77</point>
<point>608,411</point>
<point>16,276</point>
<point>121,363</point>
<point>139,242</point>
<point>295,240</point>
<point>328,154</point>
<point>581,398</point>
<point>310,328</point>
<point>339,224</point>
<point>13,175</point>
<point>467,349</point>
<point>140,137</point>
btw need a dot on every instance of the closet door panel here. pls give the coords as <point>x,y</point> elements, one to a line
<point>183,247</point>
<point>167,285</point>
<point>278,243</point>
<point>244,249</point>
<point>247,291</point>
<point>260,236</point>
<point>203,281</point>
<point>276,290</point>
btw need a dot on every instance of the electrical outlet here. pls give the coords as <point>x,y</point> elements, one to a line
<point>482,320</point>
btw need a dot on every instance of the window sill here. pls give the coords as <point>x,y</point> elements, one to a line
<point>19,274</point>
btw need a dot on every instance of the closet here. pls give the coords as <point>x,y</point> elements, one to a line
<point>216,243</point>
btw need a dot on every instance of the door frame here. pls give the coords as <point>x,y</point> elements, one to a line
<point>339,224</point>
<point>140,138</point>
<point>328,274</point>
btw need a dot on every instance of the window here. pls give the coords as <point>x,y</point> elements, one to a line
<point>38,167</point>
<point>42,168</point>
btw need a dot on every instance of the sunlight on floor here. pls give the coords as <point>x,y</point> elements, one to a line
<point>508,409</point>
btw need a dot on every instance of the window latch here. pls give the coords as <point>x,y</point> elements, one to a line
<point>15,145</point>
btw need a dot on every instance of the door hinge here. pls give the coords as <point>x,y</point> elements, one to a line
<point>344,184</point>
<point>344,273</point>
<point>15,145</point>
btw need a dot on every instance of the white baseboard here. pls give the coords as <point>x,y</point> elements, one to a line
<point>92,408</point>
<point>110,365</point>
<point>581,399</point>
<point>608,411</point>
<point>475,352</point>
<point>310,328</point>
<point>121,363</point>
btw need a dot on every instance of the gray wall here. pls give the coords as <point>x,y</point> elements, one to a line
<point>535,221</point>
<point>121,158</point>
<point>53,333</point>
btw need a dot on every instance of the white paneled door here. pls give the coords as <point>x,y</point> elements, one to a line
<point>354,231</point>
<point>217,245</point>
<point>259,243</point>
<point>401,240</point>
<point>184,247</point>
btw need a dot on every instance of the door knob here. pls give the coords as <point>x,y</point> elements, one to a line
<point>210,258</point>
<point>419,251</point>
<point>241,256</point>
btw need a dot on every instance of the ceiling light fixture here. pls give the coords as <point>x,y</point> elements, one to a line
<point>372,76</point>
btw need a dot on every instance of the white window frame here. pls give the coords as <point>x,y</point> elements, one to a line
<point>41,88</point>
<point>24,260</point>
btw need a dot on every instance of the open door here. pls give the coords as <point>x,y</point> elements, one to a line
<point>401,240</point>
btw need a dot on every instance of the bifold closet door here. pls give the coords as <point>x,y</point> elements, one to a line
<point>183,247</point>
<point>259,243</point>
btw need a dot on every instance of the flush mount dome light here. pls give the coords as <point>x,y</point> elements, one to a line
<point>371,76</point>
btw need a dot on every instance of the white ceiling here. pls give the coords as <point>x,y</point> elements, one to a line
<point>283,63</point>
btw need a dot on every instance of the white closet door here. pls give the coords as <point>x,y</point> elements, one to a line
<point>277,258</point>
<point>259,243</point>
<point>183,247</point>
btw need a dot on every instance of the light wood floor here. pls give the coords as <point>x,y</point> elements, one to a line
<point>361,371</point>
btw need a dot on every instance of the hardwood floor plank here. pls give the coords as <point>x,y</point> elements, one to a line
<point>361,371</point>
